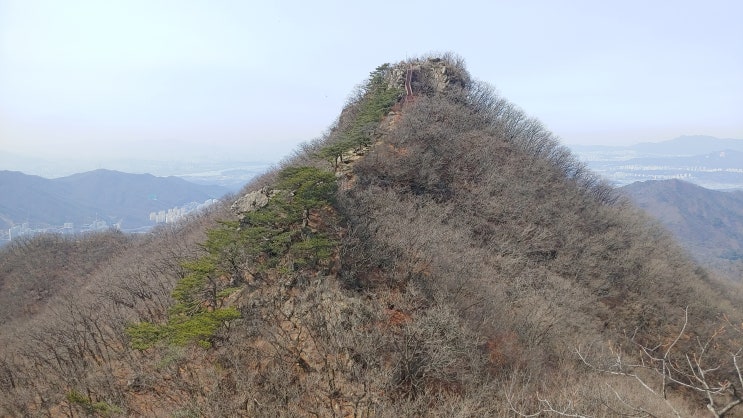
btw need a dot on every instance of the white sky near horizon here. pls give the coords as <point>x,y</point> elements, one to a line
<point>249,80</point>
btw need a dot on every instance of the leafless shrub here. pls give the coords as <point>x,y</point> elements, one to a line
<point>707,366</point>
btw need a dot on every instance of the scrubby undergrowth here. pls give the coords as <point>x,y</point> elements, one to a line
<point>439,256</point>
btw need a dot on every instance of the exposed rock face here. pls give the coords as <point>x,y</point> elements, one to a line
<point>430,74</point>
<point>351,156</point>
<point>344,172</point>
<point>253,200</point>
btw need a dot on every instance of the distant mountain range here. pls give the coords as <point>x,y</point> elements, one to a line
<point>101,195</point>
<point>708,223</point>
<point>232,174</point>
<point>707,161</point>
<point>686,145</point>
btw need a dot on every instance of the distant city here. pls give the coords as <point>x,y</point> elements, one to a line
<point>173,215</point>
<point>168,216</point>
<point>709,177</point>
<point>709,162</point>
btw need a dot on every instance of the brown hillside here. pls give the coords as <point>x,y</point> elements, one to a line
<point>708,223</point>
<point>436,256</point>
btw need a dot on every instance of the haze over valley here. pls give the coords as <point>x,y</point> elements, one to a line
<point>231,174</point>
<point>96,200</point>
<point>707,161</point>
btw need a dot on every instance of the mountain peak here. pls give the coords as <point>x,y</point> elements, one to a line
<point>432,75</point>
<point>436,252</point>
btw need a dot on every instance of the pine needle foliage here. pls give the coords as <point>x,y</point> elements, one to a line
<point>377,98</point>
<point>274,236</point>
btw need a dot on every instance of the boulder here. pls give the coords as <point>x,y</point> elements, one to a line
<point>251,201</point>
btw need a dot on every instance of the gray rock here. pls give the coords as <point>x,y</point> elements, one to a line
<point>251,201</point>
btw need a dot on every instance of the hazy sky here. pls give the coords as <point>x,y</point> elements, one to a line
<point>187,79</point>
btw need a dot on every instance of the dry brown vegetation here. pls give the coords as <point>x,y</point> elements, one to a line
<point>467,265</point>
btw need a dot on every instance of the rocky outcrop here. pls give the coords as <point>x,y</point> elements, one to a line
<point>433,75</point>
<point>344,171</point>
<point>253,200</point>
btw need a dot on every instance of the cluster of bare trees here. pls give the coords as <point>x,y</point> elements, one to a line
<point>543,251</point>
<point>694,371</point>
<point>35,269</point>
<point>70,354</point>
<point>475,259</point>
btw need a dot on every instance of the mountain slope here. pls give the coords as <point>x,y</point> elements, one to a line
<point>708,223</point>
<point>27,197</point>
<point>101,194</point>
<point>435,254</point>
<point>58,265</point>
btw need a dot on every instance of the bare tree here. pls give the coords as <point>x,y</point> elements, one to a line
<point>707,366</point>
